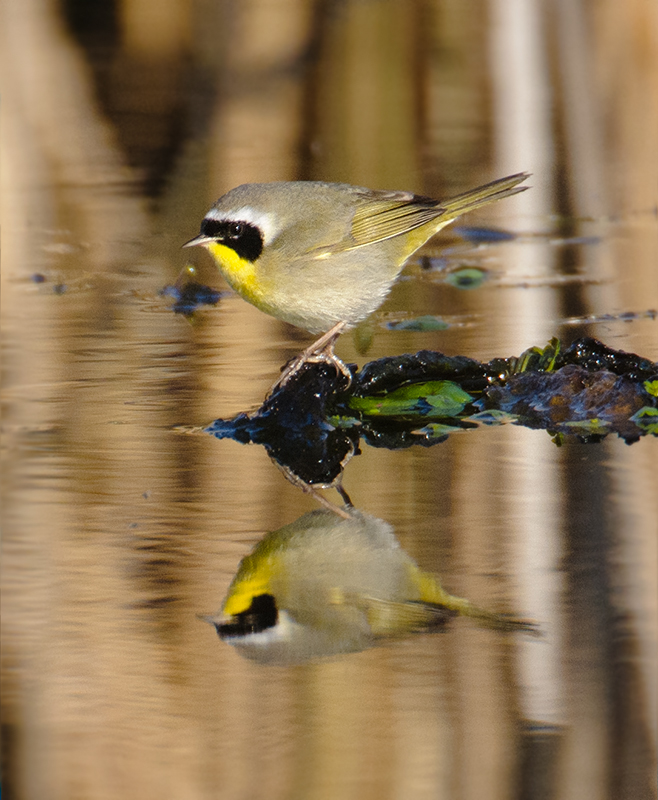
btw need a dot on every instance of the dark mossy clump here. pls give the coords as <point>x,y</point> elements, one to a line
<point>392,372</point>
<point>313,423</point>
<point>293,426</point>
<point>571,400</point>
<point>593,355</point>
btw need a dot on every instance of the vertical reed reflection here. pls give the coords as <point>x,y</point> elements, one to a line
<point>529,480</point>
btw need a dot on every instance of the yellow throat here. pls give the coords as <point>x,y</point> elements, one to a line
<point>239,273</point>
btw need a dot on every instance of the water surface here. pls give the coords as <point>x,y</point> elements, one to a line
<point>120,528</point>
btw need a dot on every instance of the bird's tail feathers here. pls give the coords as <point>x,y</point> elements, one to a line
<point>483,195</point>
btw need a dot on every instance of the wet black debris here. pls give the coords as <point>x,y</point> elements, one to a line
<point>294,426</point>
<point>313,424</point>
<point>392,372</point>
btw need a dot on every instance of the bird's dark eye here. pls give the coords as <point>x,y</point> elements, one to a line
<point>236,229</point>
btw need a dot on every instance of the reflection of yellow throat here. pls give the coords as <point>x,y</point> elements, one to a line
<point>242,593</point>
<point>240,273</point>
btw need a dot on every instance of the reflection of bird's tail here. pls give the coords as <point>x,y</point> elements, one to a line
<point>483,195</point>
<point>433,593</point>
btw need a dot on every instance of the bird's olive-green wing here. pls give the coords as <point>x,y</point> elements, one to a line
<point>383,215</point>
<point>378,216</point>
<point>389,214</point>
<point>389,617</point>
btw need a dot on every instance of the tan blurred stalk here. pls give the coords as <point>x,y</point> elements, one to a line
<point>610,61</point>
<point>525,489</point>
<point>50,105</point>
<point>159,31</point>
<point>456,131</point>
<point>63,178</point>
<point>366,96</point>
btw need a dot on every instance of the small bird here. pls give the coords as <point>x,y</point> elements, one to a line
<point>327,584</point>
<point>323,256</point>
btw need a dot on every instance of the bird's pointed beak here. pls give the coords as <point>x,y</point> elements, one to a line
<point>212,619</point>
<point>200,239</point>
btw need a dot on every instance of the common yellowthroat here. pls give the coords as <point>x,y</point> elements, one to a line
<point>325,585</point>
<point>323,256</point>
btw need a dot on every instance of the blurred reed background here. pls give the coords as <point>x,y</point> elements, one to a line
<point>122,122</point>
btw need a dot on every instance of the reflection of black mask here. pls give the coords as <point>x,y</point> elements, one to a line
<point>261,614</point>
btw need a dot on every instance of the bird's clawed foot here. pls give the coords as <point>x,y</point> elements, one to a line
<point>320,352</point>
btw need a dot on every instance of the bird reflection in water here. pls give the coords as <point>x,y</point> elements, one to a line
<point>329,584</point>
